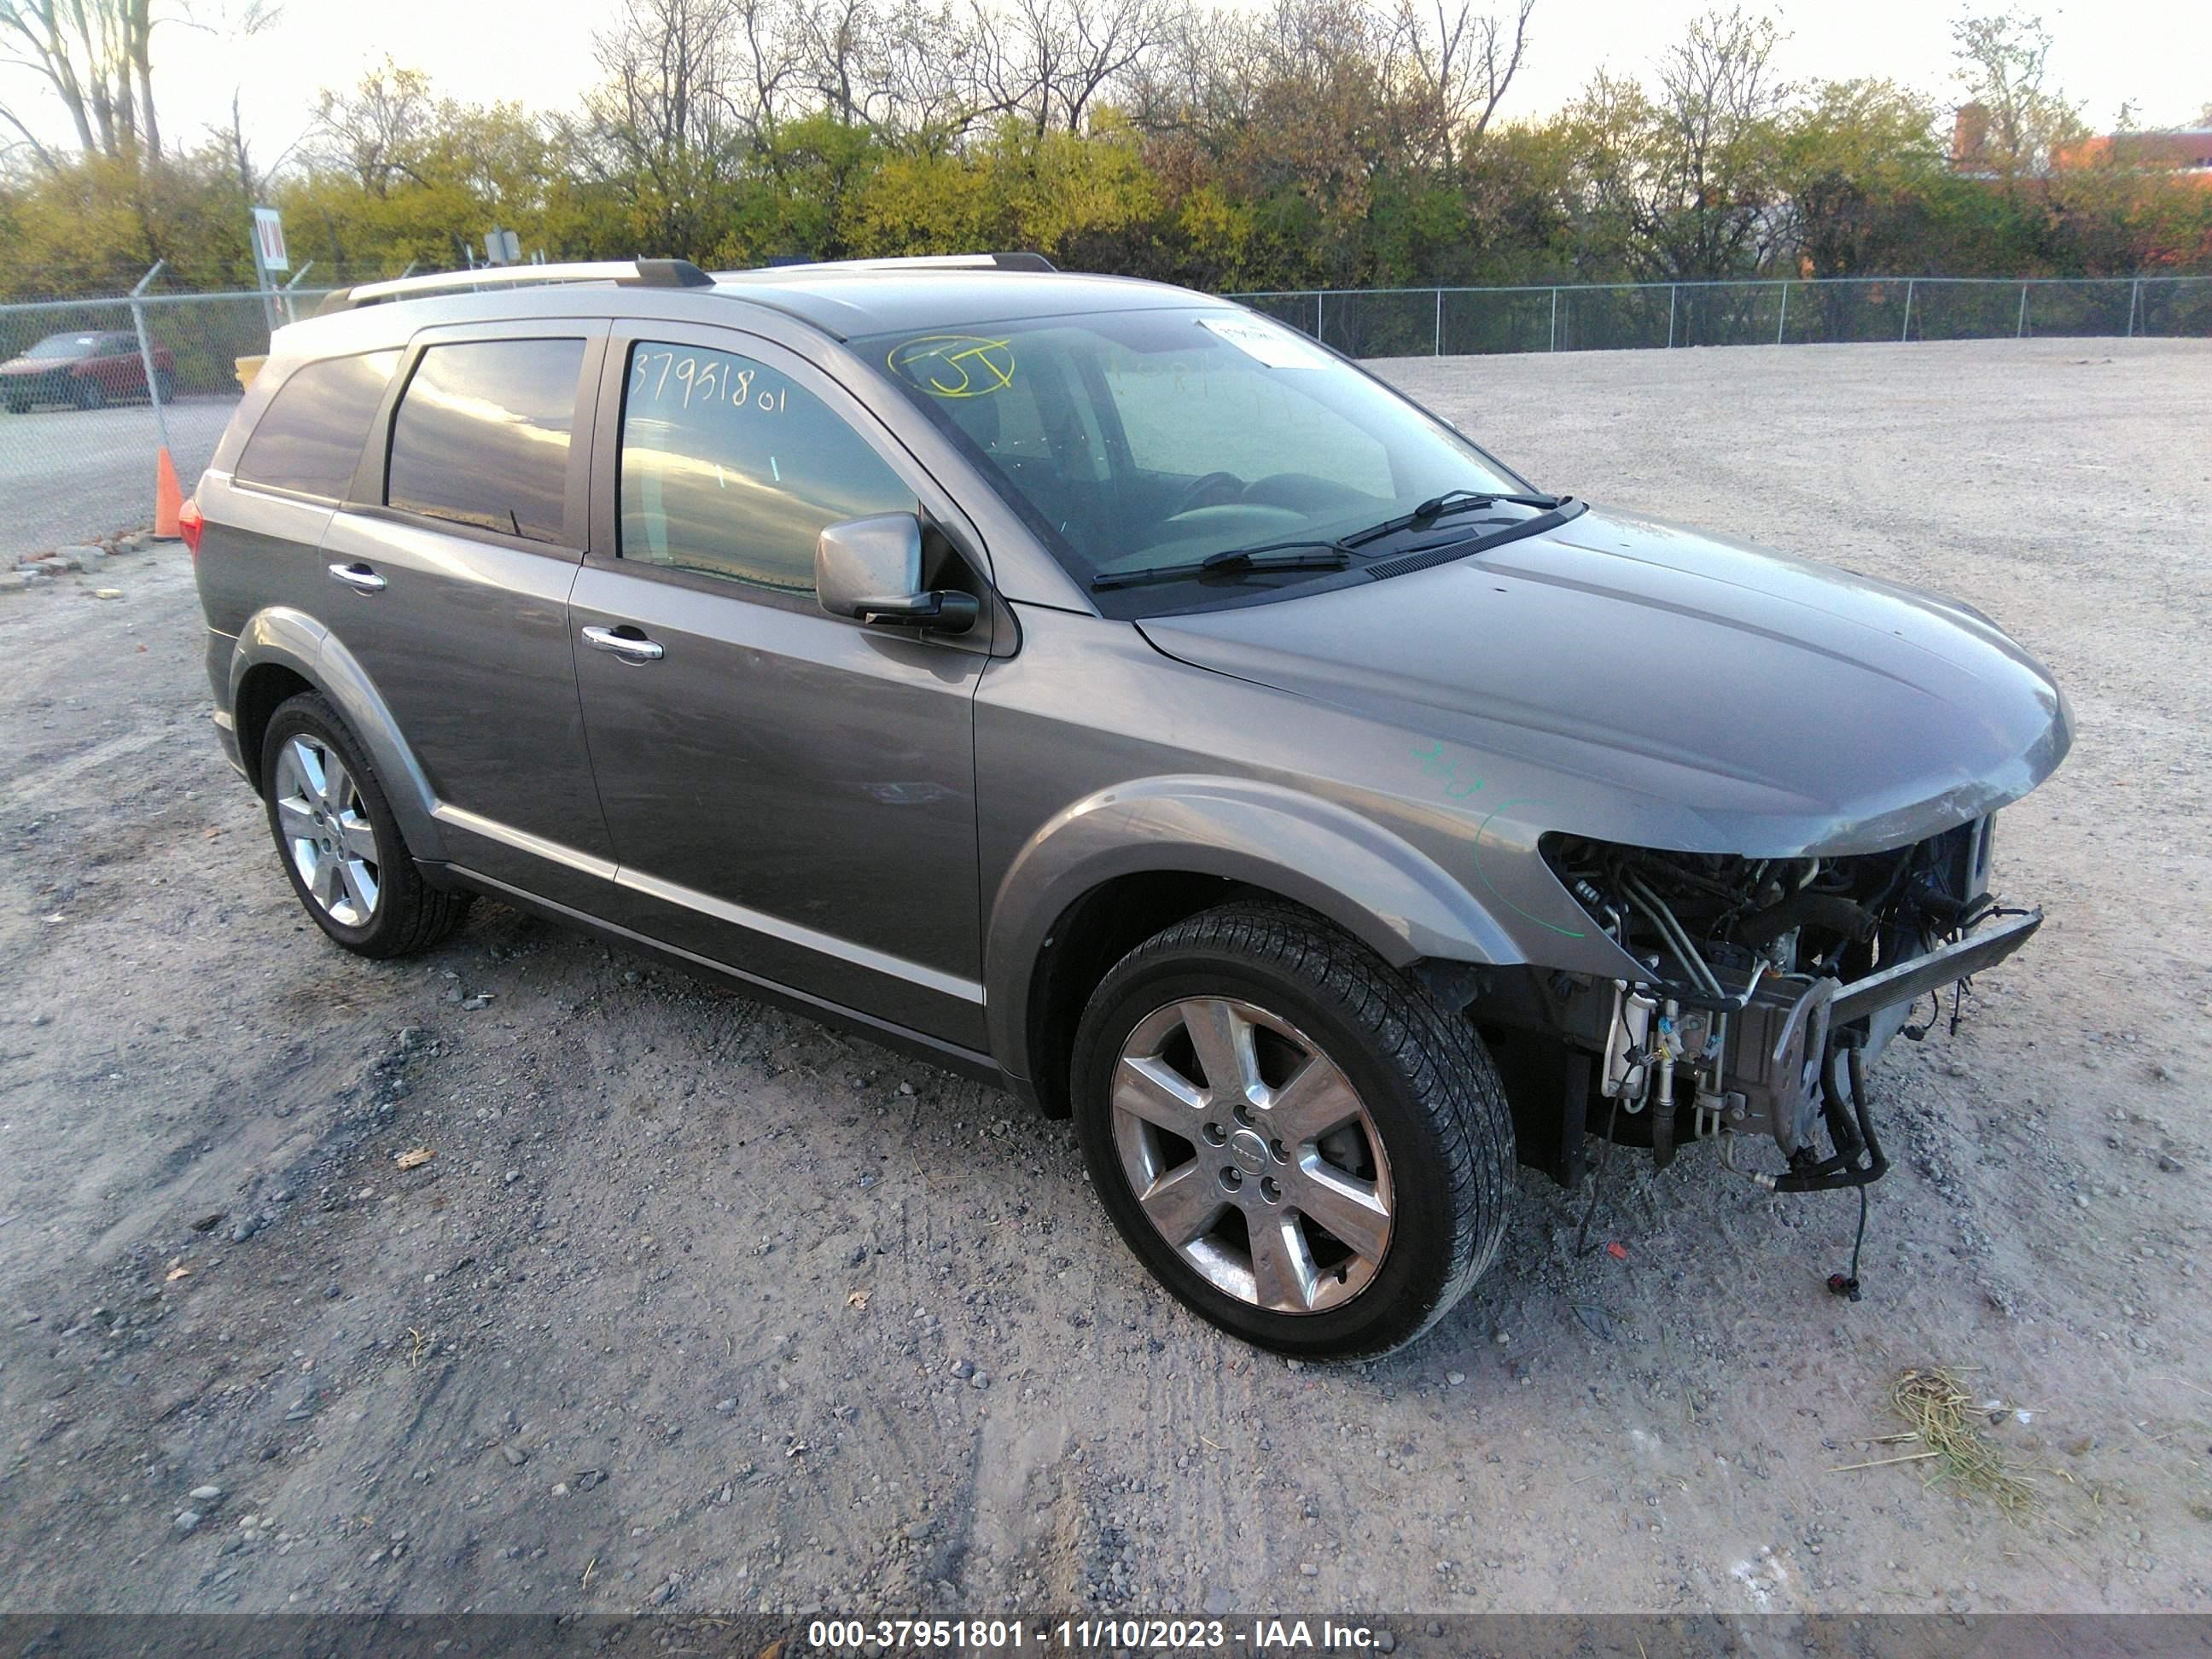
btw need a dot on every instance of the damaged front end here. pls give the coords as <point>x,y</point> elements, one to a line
<point>1768,984</point>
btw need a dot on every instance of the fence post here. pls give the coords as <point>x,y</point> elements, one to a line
<point>2021,333</point>
<point>146,356</point>
<point>1317,293</point>
<point>1784,321</point>
<point>1555,319</point>
<point>1440,324</point>
<point>290,315</point>
<point>1672,291</point>
<point>1907,332</point>
<point>2135,293</point>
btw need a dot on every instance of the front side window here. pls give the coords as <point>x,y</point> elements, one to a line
<point>482,435</point>
<point>309,439</point>
<point>1144,441</point>
<point>730,469</point>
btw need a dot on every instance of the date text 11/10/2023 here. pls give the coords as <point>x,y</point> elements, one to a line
<point>1257,1636</point>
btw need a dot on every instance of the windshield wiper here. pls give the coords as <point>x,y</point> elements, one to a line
<point>1452,501</point>
<point>1236,562</point>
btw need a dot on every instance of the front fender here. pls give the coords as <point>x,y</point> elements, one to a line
<point>294,639</point>
<point>1397,900</point>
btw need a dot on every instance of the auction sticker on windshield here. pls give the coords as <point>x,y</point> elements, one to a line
<point>1277,347</point>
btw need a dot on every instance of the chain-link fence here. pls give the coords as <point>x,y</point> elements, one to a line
<point>78,430</point>
<point>1470,321</point>
<point>79,425</point>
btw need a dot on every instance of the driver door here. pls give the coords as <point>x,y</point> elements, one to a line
<point>789,793</point>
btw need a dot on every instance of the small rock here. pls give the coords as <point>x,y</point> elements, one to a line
<point>963,1368</point>
<point>2169,1163</point>
<point>188,1520</point>
<point>107,592</point>
<point>1386,1641</point>
<point>515,1455</point>
<point>916,1531</point>
<point>1455,1378</point>
<point>661,1592</point>
<point>207,1224</point>
<point>1307,1570</point>
<point>206,1494</point>
<point>726,1407</point>
<point>559,1489</point>
<point>481,1000</point>
<point>981,1379</point>
<point>246,1230</point>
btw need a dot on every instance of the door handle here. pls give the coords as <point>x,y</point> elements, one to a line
<point>630,648</point>
<point>358,577</point>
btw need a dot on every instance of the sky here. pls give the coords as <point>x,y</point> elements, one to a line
<point>2153,54</point>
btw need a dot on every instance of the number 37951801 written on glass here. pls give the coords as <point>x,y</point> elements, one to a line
<point>689,379</point>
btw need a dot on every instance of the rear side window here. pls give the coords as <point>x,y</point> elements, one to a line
<point>731,470</point>
<point>482,435</point>
<point>310,437</point>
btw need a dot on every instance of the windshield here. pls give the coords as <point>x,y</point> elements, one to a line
<point>1147,441</point>
<point>64,345</point>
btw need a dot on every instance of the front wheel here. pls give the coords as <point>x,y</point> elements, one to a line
<point>339,842</point>
<point>1298,1141</point>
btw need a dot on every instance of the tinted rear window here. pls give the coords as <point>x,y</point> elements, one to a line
<point>482,435</point>
<point>310,437</point>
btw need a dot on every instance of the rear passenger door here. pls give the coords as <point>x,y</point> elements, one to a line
<point>789,793</point>
<point>447,577</point>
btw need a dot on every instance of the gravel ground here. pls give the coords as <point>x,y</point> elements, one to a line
<point>69,475</point>
<point>697,1304</point>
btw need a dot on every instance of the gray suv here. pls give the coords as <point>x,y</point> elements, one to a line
<point>1100,689</point>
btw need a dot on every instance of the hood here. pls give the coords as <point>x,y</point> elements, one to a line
<point>1671,689</point>
<point>19,366</point>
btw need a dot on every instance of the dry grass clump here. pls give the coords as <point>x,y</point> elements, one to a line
<point>1947,1421</point>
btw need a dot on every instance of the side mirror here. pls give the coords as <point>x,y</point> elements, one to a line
<point>871,568</point>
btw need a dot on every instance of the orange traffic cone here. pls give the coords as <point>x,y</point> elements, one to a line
<point>168,498</point>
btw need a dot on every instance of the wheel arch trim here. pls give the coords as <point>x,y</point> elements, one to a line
<point>1336,862</point>
<point>287,638</point>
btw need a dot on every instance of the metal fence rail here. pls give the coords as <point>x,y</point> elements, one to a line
<point>1614,316</point>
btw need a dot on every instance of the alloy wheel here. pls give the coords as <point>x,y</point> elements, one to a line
<point>326,830</point>
<point>1251,1152</point>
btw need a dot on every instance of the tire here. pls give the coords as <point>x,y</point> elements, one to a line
<point>19,406</point>
<point>1427,1158</point>
<point>354,878</point>
<point>90,394</point>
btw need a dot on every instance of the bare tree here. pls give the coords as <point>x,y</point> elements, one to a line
<point>96,57</point>
<point>1462,69</point>
<point>371,132</point>
<point>2003,67</point>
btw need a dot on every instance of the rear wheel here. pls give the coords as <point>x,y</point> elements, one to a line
<point>1298,1141</point>
<point>340,844</point>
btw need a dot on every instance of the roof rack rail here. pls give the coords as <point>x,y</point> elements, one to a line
<point>1013,261</point>
<point>628,273</point>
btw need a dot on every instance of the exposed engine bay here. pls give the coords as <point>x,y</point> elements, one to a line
<point>1770,984</point>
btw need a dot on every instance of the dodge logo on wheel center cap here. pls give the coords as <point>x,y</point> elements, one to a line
<point>1248,1149</point>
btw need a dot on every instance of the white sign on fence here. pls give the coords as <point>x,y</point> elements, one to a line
<point>269,240</point>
